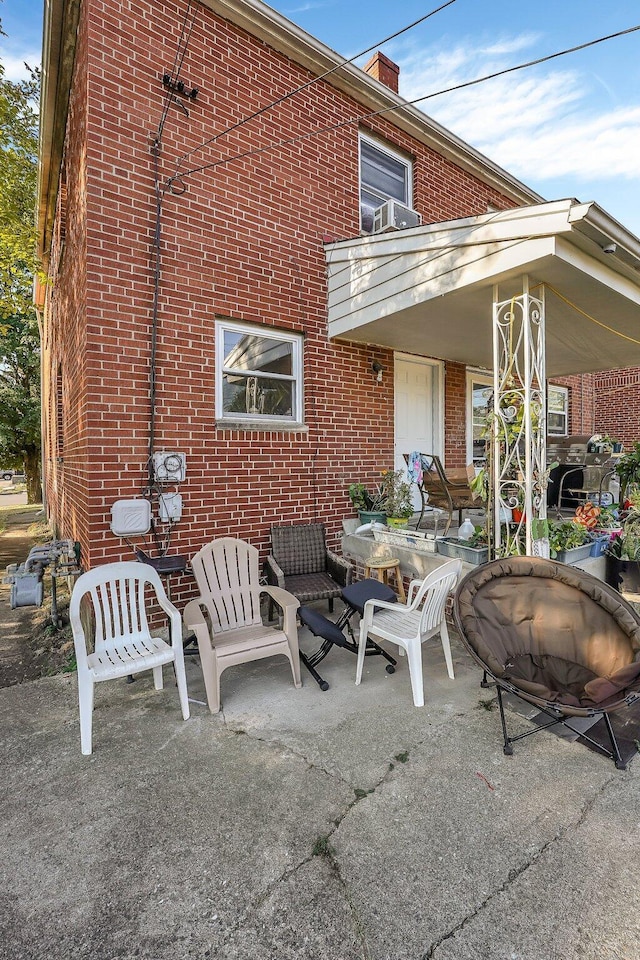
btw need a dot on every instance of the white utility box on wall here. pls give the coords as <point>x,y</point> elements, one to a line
<point>169,507</point>
<point>169,467</point>
<point>130,518</point>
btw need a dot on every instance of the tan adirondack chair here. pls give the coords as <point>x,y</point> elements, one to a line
<point>226,617</point>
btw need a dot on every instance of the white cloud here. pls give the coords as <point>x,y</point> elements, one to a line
<point>13,63</point>
<point>540,124</point>
<point>510,44</point>
<point>587,149</point>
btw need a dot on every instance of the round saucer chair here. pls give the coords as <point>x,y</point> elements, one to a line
<point>555,637</point>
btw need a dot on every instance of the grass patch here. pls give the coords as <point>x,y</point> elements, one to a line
<point>402,757</point>
<point>40,531</point>
<point>360,793</point>
<point>322,847</point>
<point>488,704</point>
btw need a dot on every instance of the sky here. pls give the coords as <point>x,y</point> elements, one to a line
<point>566,128</point>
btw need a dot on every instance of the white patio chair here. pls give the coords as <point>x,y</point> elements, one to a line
<point>409,625</point>
<point>226,617</point>
<point>123,642</point>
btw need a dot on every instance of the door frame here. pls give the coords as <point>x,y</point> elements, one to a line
<point>437,399</point>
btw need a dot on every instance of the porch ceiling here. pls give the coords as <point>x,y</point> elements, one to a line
<point>429,290</point>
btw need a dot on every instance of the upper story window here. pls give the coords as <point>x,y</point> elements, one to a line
<point>557,410</point>
<point>384,175</point>
<point>258,374</point>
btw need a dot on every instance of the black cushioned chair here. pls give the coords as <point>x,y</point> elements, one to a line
<point>554,636</point>
<point>301,563</point>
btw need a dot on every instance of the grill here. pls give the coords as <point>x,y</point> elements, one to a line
<point>585,467</point>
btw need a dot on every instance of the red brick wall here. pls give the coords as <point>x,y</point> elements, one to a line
<point>455,442</point>
<point>244,241</point>
<point>617,404</point>
<point>582,414</point>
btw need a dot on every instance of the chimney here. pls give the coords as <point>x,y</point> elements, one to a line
<point>386,71</point>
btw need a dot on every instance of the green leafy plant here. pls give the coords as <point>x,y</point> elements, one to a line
<point>479,538</point>
<point>362,499</point>
<point>565,535</point>
<point>628,469</point>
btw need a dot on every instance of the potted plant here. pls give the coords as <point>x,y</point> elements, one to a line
<point>623,556</point>
<point>628,470</point>
<point>398,504</point>
<point>517,512</point>
<point>370,506</point>
<point>568,541</point>
<point>609,444</point>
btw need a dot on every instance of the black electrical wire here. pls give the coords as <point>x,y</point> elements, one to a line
<point>386,110</point>
<point>309,83</point>
<point>181,50</point>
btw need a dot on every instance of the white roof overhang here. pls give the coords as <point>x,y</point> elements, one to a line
<point>430,290</point>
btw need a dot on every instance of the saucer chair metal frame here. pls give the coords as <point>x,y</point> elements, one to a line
<point>500,588</point>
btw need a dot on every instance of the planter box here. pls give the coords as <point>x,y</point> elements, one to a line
<point>411,539</point>
<point>451,547</point>
<point>598,545</point>
<point>574,554</point>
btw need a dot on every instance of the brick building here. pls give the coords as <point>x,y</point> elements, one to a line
<point>188,248</point>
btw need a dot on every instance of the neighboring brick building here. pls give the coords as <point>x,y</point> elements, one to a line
<point>241,289</point>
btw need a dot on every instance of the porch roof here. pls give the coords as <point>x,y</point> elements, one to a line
<point>429,290</point>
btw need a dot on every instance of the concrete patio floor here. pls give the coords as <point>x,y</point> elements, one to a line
<point>303,824</point>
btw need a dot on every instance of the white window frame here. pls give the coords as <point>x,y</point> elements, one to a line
<point>474,376</point>
<point>402,158</point>
<point>275,333</point>
<point>565,392</point>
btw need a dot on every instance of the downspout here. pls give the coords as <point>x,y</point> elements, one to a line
<point>43,483</point>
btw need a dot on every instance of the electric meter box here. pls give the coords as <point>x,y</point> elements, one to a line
<point>130,518</point>
<point>169,507</point>
<point>169,467</point>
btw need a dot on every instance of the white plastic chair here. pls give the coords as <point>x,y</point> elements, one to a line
<point>123,641</point>
<point>409,625</point>
<point>226,617</point>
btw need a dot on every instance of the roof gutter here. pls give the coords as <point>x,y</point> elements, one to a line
<point>614,239</point>
<point>58,57</point>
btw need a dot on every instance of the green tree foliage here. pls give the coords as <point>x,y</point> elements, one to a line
<point>19,338</point>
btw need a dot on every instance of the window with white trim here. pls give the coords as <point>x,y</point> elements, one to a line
<point>258,374</point>
<point>385,174</point>
<point>557,410</point>
<point>479,398</point>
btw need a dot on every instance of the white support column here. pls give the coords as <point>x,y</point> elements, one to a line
<point>518,461</point>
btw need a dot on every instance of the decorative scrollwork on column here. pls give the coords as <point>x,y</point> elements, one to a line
<point>518,425</point>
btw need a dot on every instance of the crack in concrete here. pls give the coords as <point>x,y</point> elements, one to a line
<point>328,854</point>
<point>517,872</point>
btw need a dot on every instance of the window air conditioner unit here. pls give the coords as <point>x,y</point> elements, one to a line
<point>394,216</point>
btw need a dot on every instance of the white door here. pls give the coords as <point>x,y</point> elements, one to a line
<point>418,409</point>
